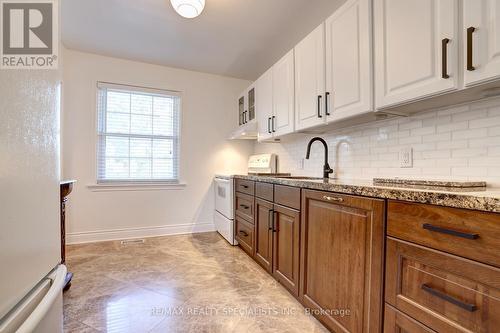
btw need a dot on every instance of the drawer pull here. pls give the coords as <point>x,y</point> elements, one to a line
<point>431,227</point>
<point>448,298</point>
<point>244,186</point>
<point>244,233</point>
<point>244,206</point>
<point>337,199</point>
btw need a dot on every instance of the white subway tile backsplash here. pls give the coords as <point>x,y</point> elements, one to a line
<point>437,137</point>
<point>423,131</point>
<point>468,115</point>
<point>494,131</point>
<point>450,127</point>
<point>470,152</point>
<point>470,134</point>
<point>485,122</point>
<point>460,142</point>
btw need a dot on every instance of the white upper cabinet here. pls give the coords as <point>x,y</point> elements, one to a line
<point>349,61</point>
<point>310,80</point>
<point>264,100</point>
<point>416,49</point>
<point>282,121</point>
<point>481,35</point>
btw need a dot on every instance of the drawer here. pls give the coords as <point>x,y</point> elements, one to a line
<point>397,322</point>
<point>287,196</point>
<point>444,292</point>
<point>245,186</point>
<point>466,233</point>
<point>244,206</point>
<point>245,235</point>
<point>264,191</point>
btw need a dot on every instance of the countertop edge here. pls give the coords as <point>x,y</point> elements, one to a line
<point>435,197</point>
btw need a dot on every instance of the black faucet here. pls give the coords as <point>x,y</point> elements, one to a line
<point>326,167</point>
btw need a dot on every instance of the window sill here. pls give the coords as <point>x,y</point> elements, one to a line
<point>136,187</point>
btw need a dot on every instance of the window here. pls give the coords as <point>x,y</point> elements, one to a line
<point>138,134</point>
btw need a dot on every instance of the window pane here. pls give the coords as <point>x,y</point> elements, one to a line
<point>163,125</point>
<point>163,106</point>
<point>140,168</point>
<point>116,168</point>
<point>117,123</point>
<point>163,148</point>
<point>163,169</point>
<point>118,102</point>
<point>141,124</point>
<point>140,147</point>
<point>142,104</point>
<point>117,147</point>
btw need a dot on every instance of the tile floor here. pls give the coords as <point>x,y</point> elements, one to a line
<point>185,283</point>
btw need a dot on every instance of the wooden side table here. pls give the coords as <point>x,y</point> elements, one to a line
<point>66,187</point>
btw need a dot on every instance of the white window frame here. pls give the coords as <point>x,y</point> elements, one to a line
<point>137,184</point>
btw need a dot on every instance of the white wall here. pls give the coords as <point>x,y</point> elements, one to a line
<point>208,116</point>
<point>458,142</point>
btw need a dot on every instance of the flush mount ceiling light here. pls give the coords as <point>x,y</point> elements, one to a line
<point>188,8</point>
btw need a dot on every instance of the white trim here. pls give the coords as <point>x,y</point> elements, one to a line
<point>138,89</point>
<point>144,232</point>
<point>100,187</point>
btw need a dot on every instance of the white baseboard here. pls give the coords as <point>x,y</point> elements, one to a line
<point>143,232</point>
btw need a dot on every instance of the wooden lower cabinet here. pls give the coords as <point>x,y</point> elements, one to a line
<point>264,234</point>
<point>286,247</point>
<point>342,257</point>
<point>442,291</point>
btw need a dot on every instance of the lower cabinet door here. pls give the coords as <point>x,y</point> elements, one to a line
<point>286,247</point>
<point>398,322</point>
<point>264,233</point>
<point>342,247</point>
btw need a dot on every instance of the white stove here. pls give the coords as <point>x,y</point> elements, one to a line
<point>262,164</point>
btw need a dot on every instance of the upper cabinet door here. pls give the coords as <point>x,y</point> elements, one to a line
<point>241,110</point>
<point>310,80</point>
<point>416,44</point>
<point>349,61</point>
<point>282,121</point>
<point>481,31</point>
<point>264,105</point>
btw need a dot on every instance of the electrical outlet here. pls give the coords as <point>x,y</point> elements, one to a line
<point>406,158</point>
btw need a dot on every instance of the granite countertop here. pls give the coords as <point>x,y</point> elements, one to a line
<point>477,198</point>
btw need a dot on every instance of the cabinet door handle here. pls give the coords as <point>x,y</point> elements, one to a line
<point>269,125</point>
<point>319,106</point>
<point>244,206</point>
<point>327,95</point>
<point>275,218</point>
<point>336,199</point>
<point>450,299</point>
<point>444,54</point>
<point>270,217</point>
<point>451,232</point>
<point>273,121</point>
<point>244,233</point>
<point>470,65</point>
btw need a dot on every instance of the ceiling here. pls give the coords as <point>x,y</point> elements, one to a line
<point>237,38</point>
